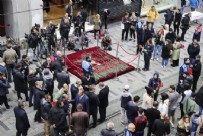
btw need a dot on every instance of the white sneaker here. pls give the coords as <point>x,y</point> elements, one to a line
<point>162,66</point>
<point>157,58</point>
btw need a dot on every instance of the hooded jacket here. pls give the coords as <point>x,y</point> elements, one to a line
<point>154,82</point>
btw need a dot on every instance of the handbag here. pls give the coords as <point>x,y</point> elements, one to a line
<point>132,27</point>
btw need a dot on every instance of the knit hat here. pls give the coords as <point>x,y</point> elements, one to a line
<point>149,90</point>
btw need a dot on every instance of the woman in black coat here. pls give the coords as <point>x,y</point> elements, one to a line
<point>19,82</point>
<point>165,54</point>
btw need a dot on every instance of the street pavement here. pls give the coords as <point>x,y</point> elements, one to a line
<point>136,81</point>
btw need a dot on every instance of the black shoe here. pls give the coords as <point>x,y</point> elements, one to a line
<point>94,126</point>
<point>8,107</point>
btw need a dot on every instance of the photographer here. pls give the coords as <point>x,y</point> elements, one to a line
<point>20,83</point>
<point>4,90</point>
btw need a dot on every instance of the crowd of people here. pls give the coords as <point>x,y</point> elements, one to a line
<point>69,107</point>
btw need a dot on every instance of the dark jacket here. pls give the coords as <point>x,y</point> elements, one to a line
<point>171,36</point>
<point>45,108</point>
<point>4,71</point>
<point>185,23</point>
<point>160,127</point>
<point>106,132</point>
<point>93,102</point>
<point>3,87</point>
<point>132,111</point>
<point>62,78</point>
<point>199,96</point>
<point>165,52</point>
<point>148,34</point>
<point>22,122</point>
<point>169,16</point>
<point>152,114</point>
<point>31,81</point>
<point>197,68</point>
<point>103,97</point>
<point>57,116</point>
<point>140,123</point>
<point>38,95</point>
<point>193,51</point>
<point>154,82</point>
<point>177,19</point>
<point>84,101</point>
<point>148,53</point>
<point>74,91</point>
<point>19,81</point>
<point>126,23</point>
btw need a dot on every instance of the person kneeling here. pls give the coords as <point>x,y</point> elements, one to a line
<point>106,43</point>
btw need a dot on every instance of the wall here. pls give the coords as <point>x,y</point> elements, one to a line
<point>20,16</point>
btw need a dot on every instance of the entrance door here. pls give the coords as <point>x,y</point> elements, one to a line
<point>2,29</point>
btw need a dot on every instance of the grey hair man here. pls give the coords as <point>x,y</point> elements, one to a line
<point>108,131</point>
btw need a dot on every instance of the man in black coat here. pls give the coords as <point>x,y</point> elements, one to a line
<point>160,126</point>
<point>185,24</point>
<point>152,114</point>
<point>199,100</point>
<point>83,99</point>
<point>169,17</point>
<point>104,102</point>
<point>4,85</point>
<point>171,36</point>
<point>22,122</point>
<point>193,50</point>
<point>109,131</point>
<point>38,95</point>
<point>19,81</point>
<point>57,119</point>
<point>25,66</point>
<point>93,104</point>
<point>63,78</point>
<point>196,72</point>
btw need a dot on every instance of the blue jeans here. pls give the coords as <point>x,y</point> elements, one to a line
<point>164,61</point>
<point>157,51</point>
<point>192,61</point>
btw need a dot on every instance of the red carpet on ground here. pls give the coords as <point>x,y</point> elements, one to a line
<point>110,65</point>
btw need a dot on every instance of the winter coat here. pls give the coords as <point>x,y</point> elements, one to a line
<point>38,95</point>
<point>154,83</point>
<point>3,87</point>
<point>176,51</point>
<point>193,51</point>
<point>19,81</point>
<point>147,101</point>
<point>165,52</point>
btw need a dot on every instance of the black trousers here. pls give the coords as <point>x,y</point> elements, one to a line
<point>4,100</point>
<point>38,115</point>
<point>146,63</point>
<point>181,110</point>
<point>183,34</point>
<point>94,116</point>
<point>175,63</point>
<point>95,32</point>
<point>102,112</point>
<point>9,68</point>
<point>125,34</point>
<point>132,33</point>
<point>105,22</point>
<point>194,85</point>
<point>30,97</point>
<point>19,133</point>
<point>156,95</point>
<point>149,131</point>
<point>19,95</point>
<point>176,28</point>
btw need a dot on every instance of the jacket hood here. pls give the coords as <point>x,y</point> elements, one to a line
<point>157,74</point>
<point>47,74</point>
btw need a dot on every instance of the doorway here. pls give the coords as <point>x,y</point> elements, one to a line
<point>2,28</point>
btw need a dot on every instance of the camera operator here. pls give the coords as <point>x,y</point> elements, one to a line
<point>65,29</point>
<point>10,58</point>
